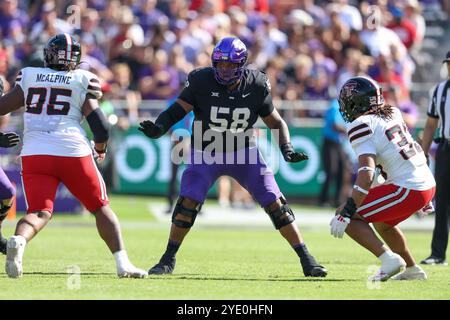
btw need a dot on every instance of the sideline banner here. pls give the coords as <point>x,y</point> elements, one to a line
<point>143,165</point>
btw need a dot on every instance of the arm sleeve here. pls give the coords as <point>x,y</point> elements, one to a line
<point>361,138</point>
<point>188,92</point>
<point>432,108</point>
<point>267,104</point>
<point>99,125</point>
<point>170,116</point>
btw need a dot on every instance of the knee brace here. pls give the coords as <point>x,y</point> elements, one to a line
<point>190,213</point>
<point>282,216</point>
<point>4,210</point>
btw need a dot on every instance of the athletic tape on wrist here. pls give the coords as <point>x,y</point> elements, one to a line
<point>366,169</point>
<point>358,188</point>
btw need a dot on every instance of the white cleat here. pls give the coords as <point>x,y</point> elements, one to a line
<point>411,273</point>
<point>15,249</point>
<point>131,271</point>
<point>391,267</point>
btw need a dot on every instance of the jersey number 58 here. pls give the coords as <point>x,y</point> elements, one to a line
<point>238,120</point>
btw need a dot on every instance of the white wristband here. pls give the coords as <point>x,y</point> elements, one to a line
<point>366,169</point>
<point>358,188</point>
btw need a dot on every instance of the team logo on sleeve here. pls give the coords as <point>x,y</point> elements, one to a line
<point>186,84</point>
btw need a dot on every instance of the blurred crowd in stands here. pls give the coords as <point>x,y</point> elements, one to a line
<point>144,49</point>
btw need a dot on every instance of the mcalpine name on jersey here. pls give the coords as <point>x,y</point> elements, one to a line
<point>53,102</point>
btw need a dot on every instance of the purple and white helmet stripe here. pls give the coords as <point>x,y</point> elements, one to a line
<point>230,49</point>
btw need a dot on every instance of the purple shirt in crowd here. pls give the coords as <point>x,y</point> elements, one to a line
<point>173,82</point>
<point>8,23</point>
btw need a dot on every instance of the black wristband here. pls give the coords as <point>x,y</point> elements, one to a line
<point>100,151</point>
<point>349,208</point>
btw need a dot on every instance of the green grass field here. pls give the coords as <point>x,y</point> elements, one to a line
<point>214,263</point>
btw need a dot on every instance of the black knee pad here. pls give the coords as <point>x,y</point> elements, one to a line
<point>4,210</point>
<point>191,213</point>
<point>282,216</point>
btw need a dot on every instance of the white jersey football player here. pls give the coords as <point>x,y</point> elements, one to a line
<point>382,144</point>
<point>56,150</point>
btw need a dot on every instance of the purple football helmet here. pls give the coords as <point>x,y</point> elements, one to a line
<point>230,49</point>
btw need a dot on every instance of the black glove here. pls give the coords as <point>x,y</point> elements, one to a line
<point>290,155</point>
<point>151,129</point>
<point>8,140</point>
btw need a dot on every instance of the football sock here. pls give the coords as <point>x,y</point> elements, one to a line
<point>386,256</point>
<point>21,239</point>
<point>305,257</point>
<point>171,250</point>
<point>121,257</point>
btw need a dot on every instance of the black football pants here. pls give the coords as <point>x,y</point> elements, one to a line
<point>442,215</point>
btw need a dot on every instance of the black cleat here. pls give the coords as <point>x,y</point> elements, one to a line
<point>431,260</point>
<point>164,266</point>
<point>311,268</point>
<point>315,271</point>
<point>3,242</point>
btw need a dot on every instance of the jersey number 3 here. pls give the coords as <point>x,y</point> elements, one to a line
<point>408,148</point>
<point>54,107</point>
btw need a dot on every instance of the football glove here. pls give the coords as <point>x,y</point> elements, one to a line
<point>429,208</point>
<point>338,225</point>
<point>151,129</point>
<point>290,155</point>
<point>342,219</point>
<point>99,155</point>
<point>8,140</point>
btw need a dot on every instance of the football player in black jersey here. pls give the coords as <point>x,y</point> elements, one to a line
<point>227,99</point>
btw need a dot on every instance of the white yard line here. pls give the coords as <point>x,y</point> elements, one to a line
<point>214,215</point>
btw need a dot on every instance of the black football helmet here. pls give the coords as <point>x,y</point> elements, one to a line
<point>357,96</point>
<point>62,52</point>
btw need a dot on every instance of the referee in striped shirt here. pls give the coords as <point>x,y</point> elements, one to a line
<point>439,115</point>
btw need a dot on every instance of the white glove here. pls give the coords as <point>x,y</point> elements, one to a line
<point>338,225</point>
<point>429,208</point>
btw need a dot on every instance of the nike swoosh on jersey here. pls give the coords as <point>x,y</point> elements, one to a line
<point>245,95</point>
